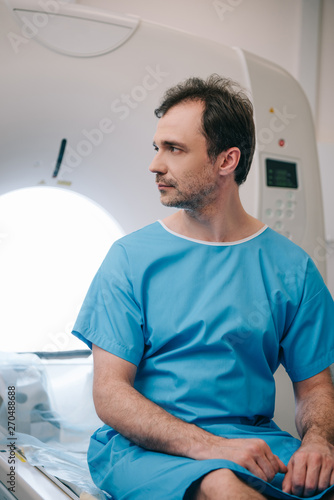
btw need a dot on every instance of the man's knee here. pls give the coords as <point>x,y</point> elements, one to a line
<point>222,484</point>
<point>216,482</point>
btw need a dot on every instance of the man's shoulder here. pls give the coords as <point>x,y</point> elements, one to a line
<point>285,255</point>
<point>135,246</point>
<point>149,239</point>
<point>140,236</point>
<point>279,243</point>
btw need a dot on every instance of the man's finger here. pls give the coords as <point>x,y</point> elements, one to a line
<point>267,468</point>
<point>325,478</point>
<point>281,466</point>
<point>313,470</point>
<point>298,476</point>
<point>287,481</point>
<point>276,465</point>
<point>258,471</point>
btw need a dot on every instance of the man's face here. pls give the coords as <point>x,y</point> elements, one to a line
<point>185,176</point>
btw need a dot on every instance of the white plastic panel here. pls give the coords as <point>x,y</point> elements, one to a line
<point>285,131</point>
<point>73,36</point>
<point>70,28</point>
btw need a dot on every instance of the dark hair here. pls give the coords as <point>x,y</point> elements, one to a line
<point>227,118</point>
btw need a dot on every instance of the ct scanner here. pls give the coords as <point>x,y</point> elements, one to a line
<point>78,94</point>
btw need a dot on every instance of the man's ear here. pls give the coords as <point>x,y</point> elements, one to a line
<point>228,160</point>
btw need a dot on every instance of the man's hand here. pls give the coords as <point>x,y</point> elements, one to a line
<point>252,454</point>
<point>311,468</point>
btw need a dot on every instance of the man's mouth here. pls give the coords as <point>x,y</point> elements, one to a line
<point>162,184</point>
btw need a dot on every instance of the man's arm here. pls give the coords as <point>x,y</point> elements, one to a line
<point>148,425</point>
<point>311,468</point>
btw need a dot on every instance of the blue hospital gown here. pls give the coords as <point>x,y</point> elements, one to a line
<point>207,324</point>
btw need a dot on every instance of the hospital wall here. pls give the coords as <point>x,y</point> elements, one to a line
<point>297,35</point>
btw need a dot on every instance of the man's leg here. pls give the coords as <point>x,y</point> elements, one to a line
<point>223,484</point>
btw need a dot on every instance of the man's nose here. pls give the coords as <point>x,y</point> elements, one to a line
<point>158,166</point>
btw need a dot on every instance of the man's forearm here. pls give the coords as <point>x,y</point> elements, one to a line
<point>150,426</point>
<point>314,412</point>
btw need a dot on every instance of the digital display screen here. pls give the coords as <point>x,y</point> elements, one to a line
<point>281,174</point>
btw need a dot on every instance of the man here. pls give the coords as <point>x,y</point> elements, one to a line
<point>183,368</point>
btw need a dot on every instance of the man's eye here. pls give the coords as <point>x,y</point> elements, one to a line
<point>155,147</point>
<point>173,149</point>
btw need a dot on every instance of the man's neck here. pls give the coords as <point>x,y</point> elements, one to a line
<point>221,222</point>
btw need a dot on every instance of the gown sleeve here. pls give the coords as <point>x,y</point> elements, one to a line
<point>307,347</point>
<point>110,316</point>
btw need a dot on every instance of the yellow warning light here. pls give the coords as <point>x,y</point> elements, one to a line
<point>271,110</point>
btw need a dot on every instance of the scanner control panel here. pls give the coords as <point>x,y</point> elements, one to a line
<point>283,204</point>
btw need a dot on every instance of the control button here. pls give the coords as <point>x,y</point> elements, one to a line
<point>278,225</point>
<point>279,213</point>
<point>290,214</point>
<point>279,203</point>
<point>290,195</point>
<point>290,204</point>
<point>269,212</point>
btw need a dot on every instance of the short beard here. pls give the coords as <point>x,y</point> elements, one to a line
<point>194,203</point>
